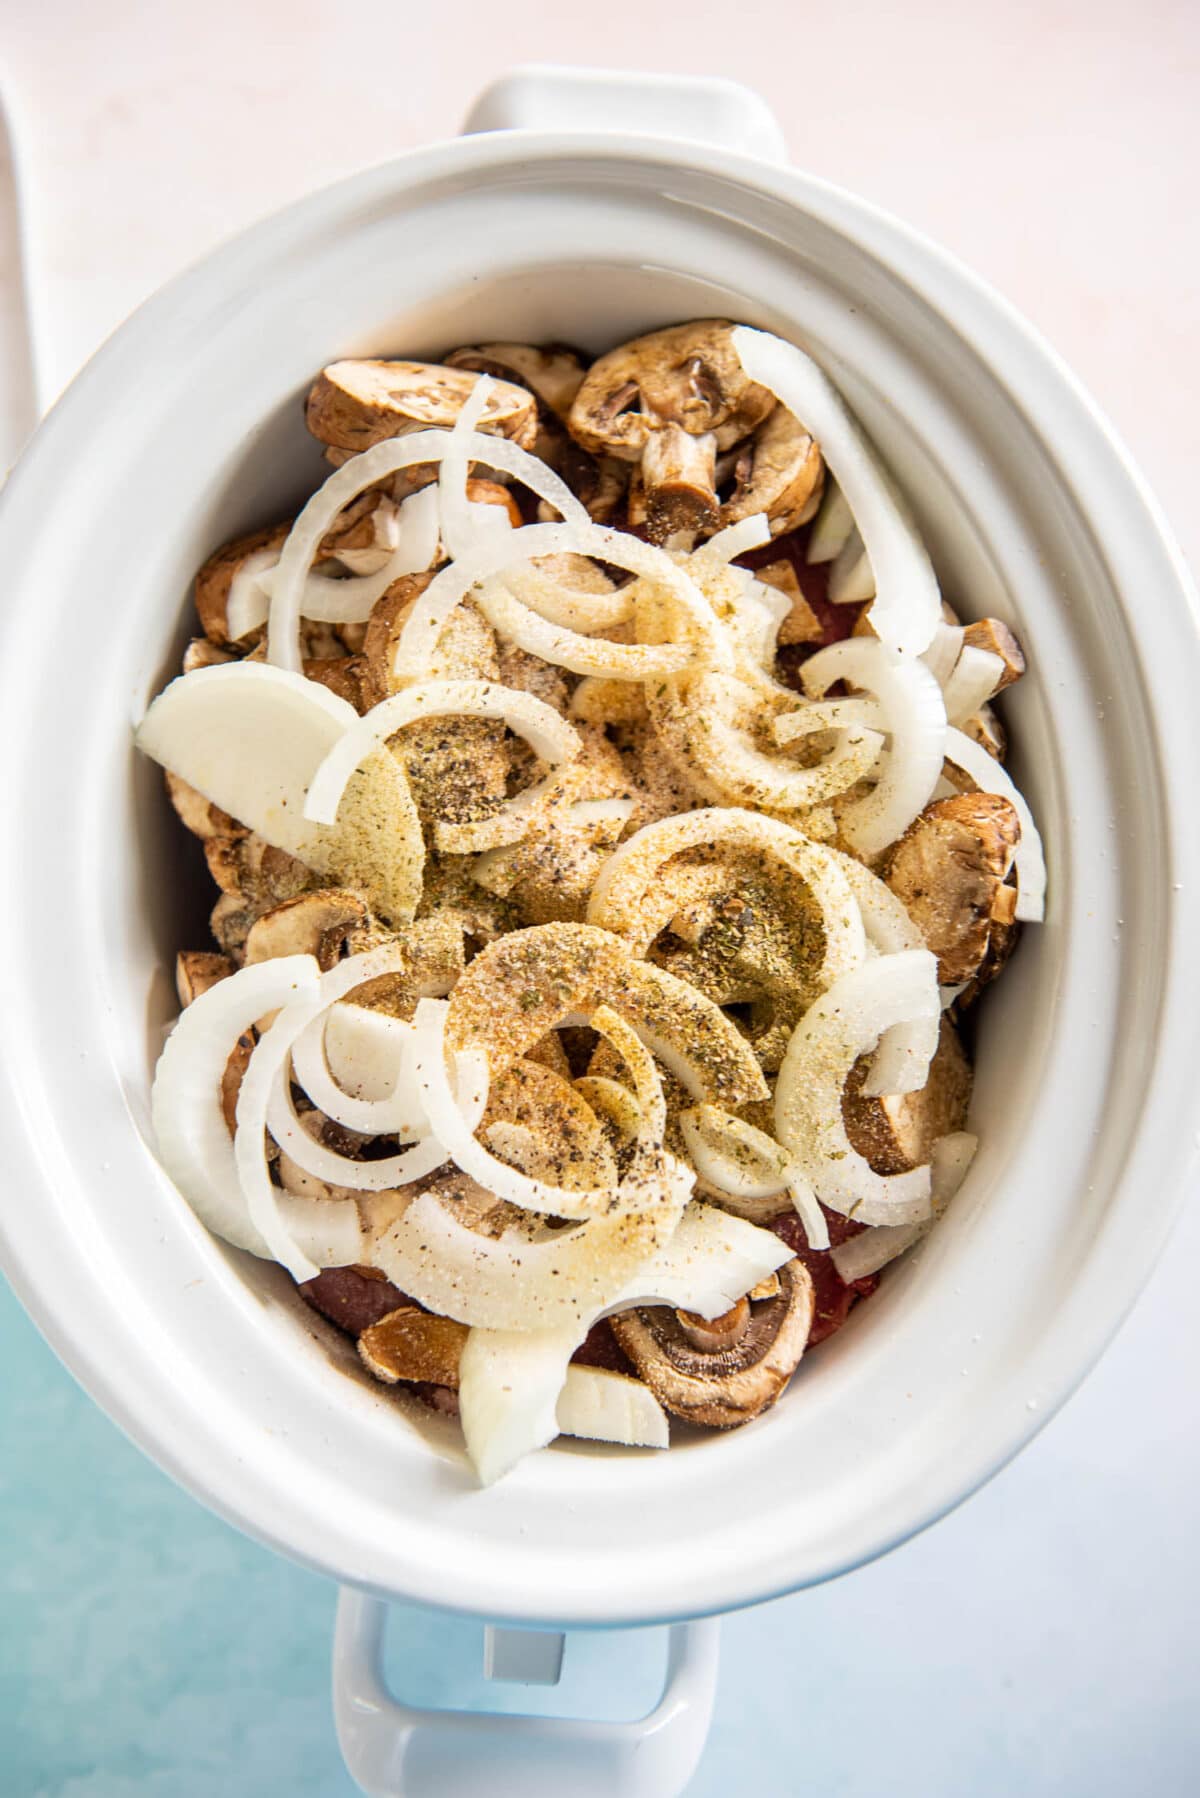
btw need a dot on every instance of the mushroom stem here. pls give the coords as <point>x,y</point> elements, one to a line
<point>679,472</point>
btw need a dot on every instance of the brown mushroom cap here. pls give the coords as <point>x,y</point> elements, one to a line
<point>780,471</point>
<point>412,1344</point>
<point>984,727</point>
<point>355,404</point>
<point>949,870</point>
<point>898,1132</point>
<point>215,579</point>
<point>552,371</point>
<point>994,636</point>
<point>736,1382</point>
<point>688,375</point>
<point>311,924</point>
<point>671,400</point>
<point>198,969</point>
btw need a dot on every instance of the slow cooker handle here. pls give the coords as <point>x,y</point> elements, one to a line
<point>394,1750</point>
<point>698,108</point>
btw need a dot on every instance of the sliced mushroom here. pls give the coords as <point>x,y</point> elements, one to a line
<point>670,401</point>
<point>466,649</point>
<point>365,534</point>
<point>949,869</point>
<point>898,1133</point>
<point>202,817</point>
<point>732,1383</point>
<point>801,624</point>
<point>994,636</point>
<point>553,372</point>
<point>779,471</point>
<point>216,578</point>
<point>230,921</point>
<point>196,970</point>
<point>985,728</point>
<point>200,653</point>
<point>411,1344</point>
<point>355,404</point>
<point>347,676</point>
<point>311,924</point>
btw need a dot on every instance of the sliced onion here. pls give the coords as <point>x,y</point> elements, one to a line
<point>553,598</point>
<point>372,1050</point>
<point>908,605</point>
<point>531,981</point>
<point>354,477</point>
<point>639,1191</point>
<point>987,776</point>
<point>904,1051</point>
<point>750,1169</point>
<point>251,738</point>
<point>605,1406</point>
<point>864,1254</point>
<point>266,1066</point>
<point>711,1261</point>
<point>944,651</point>
<point>567,1276</point>
<point>347,600</point>
<point>976,676</point>
<point>629,873</point>
<point>736,539</point>
<point>851,580</point>
<point>828,714</point>
<point>548,734</point>
<point>481,568</point>
<point>609,1099</point>
<point>832,526</point>
<point>509,1383</point>
<point>194,1145</point>
<point>844,1023</point>
<point>911,701</point>
<point>693,720</point>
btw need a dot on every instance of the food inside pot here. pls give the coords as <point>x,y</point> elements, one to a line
<point>612,840</point>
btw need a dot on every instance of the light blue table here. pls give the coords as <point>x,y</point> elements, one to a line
<point>1043,1642</point>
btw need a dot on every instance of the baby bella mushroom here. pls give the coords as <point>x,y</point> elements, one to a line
<point>671,401</point>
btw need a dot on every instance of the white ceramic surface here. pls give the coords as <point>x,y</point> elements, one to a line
<point>190,418</point>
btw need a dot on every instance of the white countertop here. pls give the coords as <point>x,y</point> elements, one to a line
<point>1042,1640</point>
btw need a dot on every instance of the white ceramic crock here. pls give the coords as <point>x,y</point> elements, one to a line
<point>187,428</point>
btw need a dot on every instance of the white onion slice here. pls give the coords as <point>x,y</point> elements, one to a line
<point>911,701</point>
<point>737,539</point>
<point>194,1145</point>
<point>976,676</point>
<point>711,1261</point>
<point>548,734</point>
<point>354,477</point>
<point>604,1406</point>
<point>251,739</point>
<point>266,1066</point>
<point>987,776</point>
<point>944,651</point>
<point>907,605</point>
<point>636,1193</point>
<point>574,608</point>
<point>899,1063</point>
<point>351,599</point>
<point>749,1168</point>
<point>627,876</point>
<point>482,567</point>
<point>694,725</point>
<point>374,1052</point>
<point>567,1276</point>
<point>851,580</point>
<point>872,1249</point>
<point>844,1023</point>
<point>828,714</point>
<point>509,1382</point>
<point>832,525</point>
